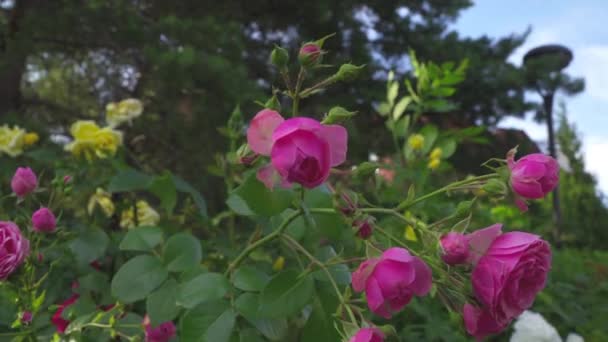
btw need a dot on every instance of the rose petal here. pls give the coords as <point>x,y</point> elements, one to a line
<point>336,136</point>
<point>480,240</point>
<point>261,128</point>
<point>375,299</point>
<point>294,124</point>
<point>397,254</point>
<point>424,278</point>
<point>360,276</point>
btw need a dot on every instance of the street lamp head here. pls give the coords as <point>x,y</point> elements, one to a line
<point>551,57</point>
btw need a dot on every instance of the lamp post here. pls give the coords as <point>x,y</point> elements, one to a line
<point>543,65</point>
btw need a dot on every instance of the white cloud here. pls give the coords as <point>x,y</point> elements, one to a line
<point>592,63</point>
<point>595,159</point>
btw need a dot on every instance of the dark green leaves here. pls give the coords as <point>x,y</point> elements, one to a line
<point>161,304</point>
<point>248,278</point>
<point>286,294</point>
<point>137,278</point>
<point>90,245</point>
<point>205,287</point>
<point>164,188</point>
<point>182,251</point>
<point>141,239</point>
<point>210,322</point>
<point>129,180</point>
<point>253,198</point>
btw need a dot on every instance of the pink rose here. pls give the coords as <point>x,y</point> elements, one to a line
<point>13,248</point>
<point>24,181</point>
<point>162,333</point>
<point>459,248</point>
<point>43,220</point>
<point>59,322</point>
<point>309,54</point>
<point>506,280</point>
<point>533,176</point>
<point>368,335</point>
<point>392,280</point>
<point>302,150</point>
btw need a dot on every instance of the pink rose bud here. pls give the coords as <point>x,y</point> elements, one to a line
<point>162,333</point>
<point>364,228</point>
<point>392,280</point>
<point>43,220</point>
<point>24,181</point>
<point>26,317</point>
<point>534,175</point>
<point>455,248</point>
<point>59,322</point>
<point>67,179</point>
<point>368,335</point>
<point>506,280</point>
<point>14,248</point>
<point>310,54</point>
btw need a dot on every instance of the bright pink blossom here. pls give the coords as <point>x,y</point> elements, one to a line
<point>310,54</point>
<point>368,335</point>
<point>455,248</point>
<point>392,280</point>
<point>26,317</point>
<point>506,280</point>
<point>302,150</point>
<point>24,181</point>
<point>162,333</point>
<point>14,248</point>
<point>459,248</point>
<point>43,220</point>
<point>533,176</point>
<point>59,322</point>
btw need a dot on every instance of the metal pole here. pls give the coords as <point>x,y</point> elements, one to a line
<point>557,216</point>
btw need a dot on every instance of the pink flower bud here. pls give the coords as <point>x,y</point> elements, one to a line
<point>455,248</point>
<point>368,335</point>
<point>14,248</point>
<point>26,317</point>
<point>534,175</point>
<point>67,179</point>
<point>162,333</point>
<point>24,181</point>
<point>364,228</point>
<point>310,54</point>
<point>43,220</point>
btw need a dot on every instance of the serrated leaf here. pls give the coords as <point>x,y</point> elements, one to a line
<point>286,294</point>
<point>205,287</point>
<point>161,305</point>
<point>253,198</point>
<point>182,251</point>
<point>137,278</point>
<point>129,180</point>
<point>248,278</point>
<point>142,238</point>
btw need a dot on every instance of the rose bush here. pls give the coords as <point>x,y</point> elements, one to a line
<point>311,246</point>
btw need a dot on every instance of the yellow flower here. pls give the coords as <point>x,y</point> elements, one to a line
<point>436,153</point>
<point>416,142</point>
<point>102,199</point>
<point>434,163</point>
<point>410,234</point>
<point>12,140</point>
<point>31,138</point>
<point>278,264</point>
<point>146,216</point>
<point>123,111</point>
<point>92,141</point>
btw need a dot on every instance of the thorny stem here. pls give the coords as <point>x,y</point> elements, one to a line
<point>239,259</point>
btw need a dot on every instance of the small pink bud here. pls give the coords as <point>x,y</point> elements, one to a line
<point>310,54</point>
<point>26,317</point>
<point>249,159</point>
<point>43,220</point>
<point>24,181</point>
<point>162,333</point>
<point>364,228</point>
<point>67,179</point>
<point>455,248</point>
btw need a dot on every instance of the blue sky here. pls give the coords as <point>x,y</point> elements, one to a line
<point>581,25</point>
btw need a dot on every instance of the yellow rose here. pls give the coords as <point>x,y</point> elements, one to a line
<point>416,142</point>
<point>102,199</point>
<point>278,264</point>
<point>123,111</point>
<point>92,141</point>
<point>31,138</point>
<point>436,153</point>
<point>12,140</point>
<point>434,163</point>
<point>146,216</point>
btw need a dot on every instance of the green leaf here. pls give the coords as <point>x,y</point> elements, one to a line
<point>250,335</point>
<point>141,239</point>
<point>391,95</point>
<point>130,324</point>
<point>320,325</point>
<point>400,107</point>
<point>286,294</point>
<point>182,186</point>
<point>194,323</point>
<point>430,134</point>
<point>137,278</point>
<point>253,198</point>
<point>221,329</point>
<point>94,281</point>
<point>275,329</point>
<point>90,245</point>
<point>248,278</point>
<point>79,323</point>
<point>182,251</point>
<point>339,272</point>
<point>448,147</point>
<point>8,305</point>
<point>164,188</point>
<point>129,180</point>
<point>205,287</point>
<point>161,305</point>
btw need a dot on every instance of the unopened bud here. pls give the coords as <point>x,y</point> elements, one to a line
<point>279,57</point>
<point>337,115</point>
<point>348,72</point>
<point>310,54</point>
<point>455,248</point>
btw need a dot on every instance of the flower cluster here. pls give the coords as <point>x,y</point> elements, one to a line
<point>14,140</point>
<point>92,141</point>
<point>123,111</point>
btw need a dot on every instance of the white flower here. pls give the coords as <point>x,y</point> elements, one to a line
<point>532,327</point>
<point>573,337</point>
